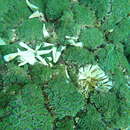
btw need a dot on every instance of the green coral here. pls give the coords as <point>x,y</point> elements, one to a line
<point>121,31</point>
<point>13,17</point>
<point>15,75</point>
<point>30,30</point>
<point>55,8</point>
<point>111,58</point>
<point>64,98</point>
<point>15,14</point>
<point>119,10</point>
<point>91,120</point>
<point>127,47</point>
<point>11,81</point>
<point>114,105</point>
<point>6,95</point>
<point>40,74</point>
<point>27,111</point>
<point>107,104</point>
<point>11,48</point>
<point>121,119</point>
<point>79,56</point>
<point>41,4</point>
<point>45,97</point>
<point>85,2</point>
<point>92,38</point>
<point>66,28</point>
<point>83,15</point>
<point>3,7</point>
<point>102,8</point>
<point>65,124</point>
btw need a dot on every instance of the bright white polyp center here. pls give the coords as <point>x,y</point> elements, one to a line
<point>28,57</point>
<point>93,77</point>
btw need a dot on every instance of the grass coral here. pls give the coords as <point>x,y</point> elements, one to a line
<point>79,44</point>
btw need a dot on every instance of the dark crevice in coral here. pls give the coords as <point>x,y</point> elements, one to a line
<point>46,98</point>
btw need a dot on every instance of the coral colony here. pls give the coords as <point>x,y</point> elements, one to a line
<point>65,64</point>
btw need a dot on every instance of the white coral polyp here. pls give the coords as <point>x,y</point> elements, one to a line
<point>74,41</point>
<point>31,6</point>
<point>29,56</point>
<point>45,32</point>
<point>93,77</point>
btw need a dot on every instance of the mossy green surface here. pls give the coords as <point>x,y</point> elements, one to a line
<point>92,38</point>
<point>84,15</point>
<point>27,113</point>
<point>78,56</point>
<point>55,8</point>
<point>30,30</point>
<point>38,97</point>
<point>63,98</point>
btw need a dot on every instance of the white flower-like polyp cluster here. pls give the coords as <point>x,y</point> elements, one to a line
<point>92,77</point>
<point>29,56</point>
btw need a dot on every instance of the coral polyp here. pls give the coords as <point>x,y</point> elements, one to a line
<point>92,77</point>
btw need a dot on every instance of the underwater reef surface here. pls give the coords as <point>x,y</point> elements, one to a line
<point>64,64</point>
